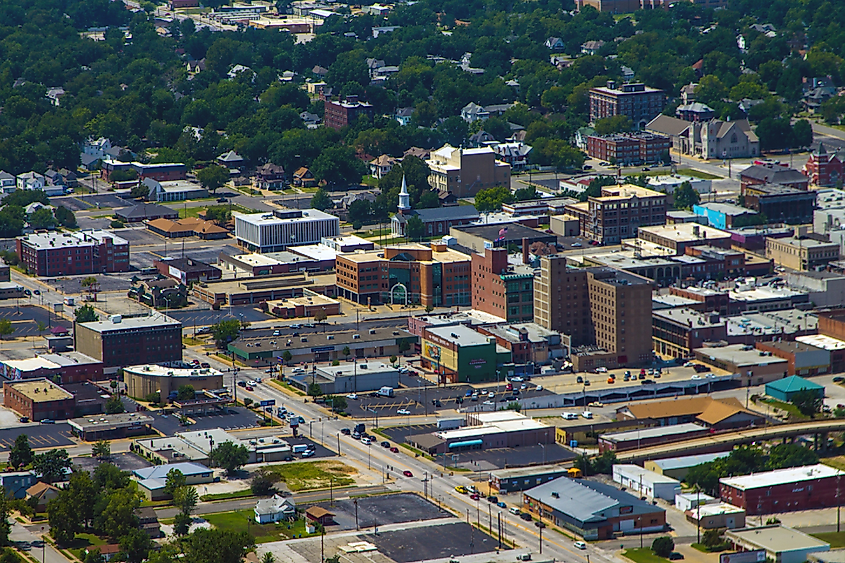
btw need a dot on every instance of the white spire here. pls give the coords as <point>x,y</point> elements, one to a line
<point>404,197</point>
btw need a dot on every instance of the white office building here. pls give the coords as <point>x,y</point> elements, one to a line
<point>276,231</point>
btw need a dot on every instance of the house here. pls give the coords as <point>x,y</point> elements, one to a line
<point>152,480</point>
<point>274,509</point>
<point>554,43</point>
<point>238,69</point>
<point>16,483</point>
<point>379,167</point>
<point>42,493</point>
<point>231,160</point>
<point>474,112</point>
<point>319,515</point>
<point>7,183</point>
<point>31,181</point>
<point>514,153</point>
<point>55,95</point>
<point>404,115</point>
<point>303,178</point>
<point>195,67</point>
<point>311,120</point>
<point>581,136</point>
<point>481,139</point>
<point>270,177</point>
<point>108,551</point>
<point>688,93</point>
<point>148,521</point>
<point>695,111</point>
<point>591,47</point>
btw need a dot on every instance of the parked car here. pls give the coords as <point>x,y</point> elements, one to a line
<point>403,412</point>
<point>353,396</point>
<point>493,499</point>
<point>525,516</point>
<point>675,556</point>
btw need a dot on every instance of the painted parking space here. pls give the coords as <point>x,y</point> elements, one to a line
<point>40,435</point>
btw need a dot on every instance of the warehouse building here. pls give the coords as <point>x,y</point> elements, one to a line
<point>647,483</point>
<point>635,439</point>
<point>348,377</point>
<point>753,366</point>
<point>593,510</point>
<point>802,359</point>
<point>783,490</point>
<point>780,543</point>
<point>688,501</point>
<point>509,480</point>
<point>718,515</point>
<point>500,429</point>
<point>678,467</point>
<point>110,426</point>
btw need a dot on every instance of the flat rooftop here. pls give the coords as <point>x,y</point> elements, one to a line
<point>788,321</point>
<point>107,421</point>
<point>266,283</point>
<point>688,317</point>
<point>459,334</point>
<point>156,320</point>
<point>448,255</point>
<point>737,355</point>
<point>822,341</point>
<point>805,242</point>
<point>312,340</point>
<point>470,432</point>
<point>317,252</point>
<point>360,368</point>
<point>626,191</point>
<point>53,240</point>
<point>781,477</point>
<point>267,219</point>
<point>154,370</point>
<point>527,471</point>
<point>656,432</point>
<point>39,390</point>
<point>683,232</point>
<point>777,539</point>
<point>688,461</point>
<point>645,474</point>
<point>716,509</point>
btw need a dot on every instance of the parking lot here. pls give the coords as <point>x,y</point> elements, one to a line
<point>453,539</point>
<point>25,318</point>
<point>381,510</point>
<point>81,203</point>
<point>40,435</point>
<point>124,461</point>
<point>234,418</point>
<point>205,317</point>
<point>425,399</point>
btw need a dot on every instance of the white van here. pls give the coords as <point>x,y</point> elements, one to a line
<point>366,441</point>
<point>587,414</point>
<point>299,448</point>
<point>514,510</point>
<point>569,416</point>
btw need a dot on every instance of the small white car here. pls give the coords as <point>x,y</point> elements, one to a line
<point>580,545</point>
<point>491,395</point>
<point>252,382</point>
<point>696,376</point>
<point>403,411</point>
<point>488,403</point>
<point>569,416</point>
<point>539,388</point>
<point>353,396</point>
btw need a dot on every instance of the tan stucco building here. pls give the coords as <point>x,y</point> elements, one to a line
<point>465,172</point>
<point>801,253</point>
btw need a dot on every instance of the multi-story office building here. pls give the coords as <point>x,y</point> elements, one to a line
<point>502,289</point>
<point>81,252</point>
<point>119,342</point>
<point>801,253</point>
<point>465,172</point>
<point>273,232</point>
<point>338,115</point>
<point>629,148</point>
<point>619,212</point>
<point>605,312</point>
<point>780,204</point>
<point>637,101</point>
<point>431,275</point>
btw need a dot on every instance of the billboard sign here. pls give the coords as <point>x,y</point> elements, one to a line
<point>268,403</point>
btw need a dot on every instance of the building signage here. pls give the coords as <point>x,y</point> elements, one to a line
<point>755,556</point>
<point>478,362</point>
<point>268,403</point>
<point>322,349</point>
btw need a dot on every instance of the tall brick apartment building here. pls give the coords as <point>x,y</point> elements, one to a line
<point>637,101</point>
<point>338,115</point>
<point>502,289</point>
<point>606,313</point>
<point>119,342</point>
<point>629,148</point>
<point>82,252</point>
<point>619,212</point>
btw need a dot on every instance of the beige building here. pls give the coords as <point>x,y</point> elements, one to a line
<point>605,312</point>
<point>146,379</point>
<point>465,172</point>
<point>798,253</point>
<point>619,212</point>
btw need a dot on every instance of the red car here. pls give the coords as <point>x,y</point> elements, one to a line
<point>474,496</point>
<point>249,388</point>
<point>394,450</point>
<point>407,473</point>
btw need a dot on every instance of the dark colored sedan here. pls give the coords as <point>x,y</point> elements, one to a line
<point>385,444</point>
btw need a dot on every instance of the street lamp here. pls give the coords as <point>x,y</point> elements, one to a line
<point>369,446</point>
<point>544,452</point>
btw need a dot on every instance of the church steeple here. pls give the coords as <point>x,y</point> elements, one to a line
<point>404,197</point>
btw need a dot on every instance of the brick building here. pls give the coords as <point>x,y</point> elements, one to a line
<point>718,301</point>
<point>339,114</point>
<point>502,289</point>
<point>823,169</point>
<point>38,399</point>
<point>81,252</point>
<point>119,342</point>
<point>780,204</point>
<point>619,213</point>
<point>606,313</point>
<point>783,490</point>
<point>759,174</point>
<point>414,273</point>
<point>677,332</point>
<point>803,359</point>
<point>629,148</point>
<point>636,100</point>
<point>186,270</point>
<point>162,172</point>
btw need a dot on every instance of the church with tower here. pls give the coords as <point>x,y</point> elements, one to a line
<point>823,169</point>
<point>436,221</point>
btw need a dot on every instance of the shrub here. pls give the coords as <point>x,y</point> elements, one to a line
<point>663,546</point>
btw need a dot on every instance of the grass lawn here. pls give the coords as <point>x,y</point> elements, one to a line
<point>83,542</point>
<point>226,496</point>
<point>837,462</point>
<point>696,174</point>
<point>244,521</point>
<point>643,555</point>
<point>305,475</point>
<point>370,181</point>
<point>835,539</point>
<point>185,212</point>
<point>287,387</point>
<point>793,411</point>
<point>192,341</point>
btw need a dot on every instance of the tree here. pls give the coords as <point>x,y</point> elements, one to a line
<point>415,228</point>
<point>711,538</point>
<point>135,545</point>
<point>685,196</point>
<point>117,516</point>
<point>809,402</point>
<point>9,555</point>
<point>114,405</point>
<point>213,177</point>
<point>65,217</point>
<point>42,219</point>
<point>614,124</point>
<point>218,213</point>
<point>268,558</point>
<point>186,499</point>
<point>6,327</point>
<point>5,525</point>
<point>492,199</point>
<point>207,545</point>
<point>339,403</point>
<point>321,200</point>
<point>174,481</point>
<point>802,134</point>
<point>604,463</point>
<point>101,449</point>
<point>287,356</point>
<point>321,316</point>
<point>93,555</point>
<point>51,465</point>
<point>338,167</point>
<point>63,519</point>
<point>139,191</point>
<point>86,314</point>
<point>225,331</point>
<point>182,523</point>
<point>261,485</point>
<point>346,351</point>
<point>663,546</point>
<point>582,462</point>
<point>21,453</point>
<point>186,393</point>
<point>783,456</point>
<point>314,390</point>
<point>230,457</point>
<point>109,477</point>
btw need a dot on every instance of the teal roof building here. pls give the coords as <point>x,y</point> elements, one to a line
<point>786,388</point>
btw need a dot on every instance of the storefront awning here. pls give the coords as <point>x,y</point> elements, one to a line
<point>465,444</point>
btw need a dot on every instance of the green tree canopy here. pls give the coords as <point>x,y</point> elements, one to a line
<point>213,177</point>
<point>321,200</point>
<point>86,314</point>
<point>229,457</point>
